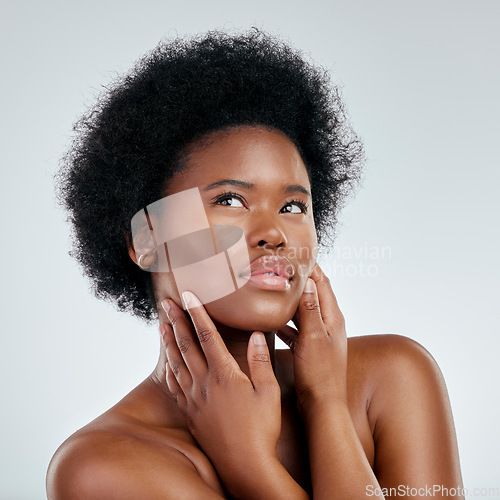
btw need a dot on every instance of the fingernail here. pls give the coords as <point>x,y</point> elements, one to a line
<point>165,305</point>
<point>259,339</point>
<point>190,300</point>
<point>309,288</point>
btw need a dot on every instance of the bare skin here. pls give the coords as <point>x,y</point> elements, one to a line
<point>332,418</point>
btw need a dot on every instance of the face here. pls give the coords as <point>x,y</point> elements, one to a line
<point>254,179</point>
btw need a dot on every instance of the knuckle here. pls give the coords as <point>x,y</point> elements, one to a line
<point>275,390</point>
<point>338,323</point>
<point>175,367</point>
<point>260,357</point>
<point>220,373</point>
<point>184,343</point>
<point>325,280</point>
<point>203,392</point>
<point>320,337</point>
<point>173,318</point>
<point>205,334</point>
<point>272,388</point>
<point>310,305</point>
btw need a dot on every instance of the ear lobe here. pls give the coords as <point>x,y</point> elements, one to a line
<point>140,241</point>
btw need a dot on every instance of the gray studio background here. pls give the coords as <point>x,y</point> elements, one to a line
<point>417,250</point>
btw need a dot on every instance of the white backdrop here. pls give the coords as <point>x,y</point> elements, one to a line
<point>417,251</point>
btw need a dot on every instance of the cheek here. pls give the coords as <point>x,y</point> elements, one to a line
<point>165,287</point>
<point>304,254</point>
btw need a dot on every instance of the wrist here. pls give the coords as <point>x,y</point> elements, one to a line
<point>318,407</point>
<point>263,478</point>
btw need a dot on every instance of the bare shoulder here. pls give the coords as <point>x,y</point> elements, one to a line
<point>381,354</point>
<point>116,461</point>
<point>408,409</point>
<point>378,359</point>
<point>388,366</point>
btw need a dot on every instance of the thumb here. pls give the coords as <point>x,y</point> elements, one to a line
<point>308,313</point>
<point>259,362</point>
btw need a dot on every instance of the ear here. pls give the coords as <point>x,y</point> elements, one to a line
<point>140,241</point>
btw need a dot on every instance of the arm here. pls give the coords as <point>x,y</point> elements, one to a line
<point>414,432</point>
<point>414,436</point>
<point>339,468</point>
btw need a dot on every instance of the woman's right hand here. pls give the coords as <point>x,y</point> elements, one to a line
<point>235,419</point>
<point>319,345</point>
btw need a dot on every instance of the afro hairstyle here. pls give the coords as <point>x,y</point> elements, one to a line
<point>132,141</point>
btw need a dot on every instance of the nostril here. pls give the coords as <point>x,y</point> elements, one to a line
<point>266,244</point>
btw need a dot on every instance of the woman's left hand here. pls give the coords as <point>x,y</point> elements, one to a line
<point>236,420</point>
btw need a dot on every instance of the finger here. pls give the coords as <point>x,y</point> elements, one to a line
<point>172,384</point>
<point>186,340</point>
<point>288,335</point>
<point>174,387</point>
<point>309,318</point>
<point>213,346</point>
<point>259,363</point>
<point>175,360</point>
<point>330,311</point>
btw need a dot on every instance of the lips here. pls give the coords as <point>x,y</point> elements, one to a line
<point>270,265</point>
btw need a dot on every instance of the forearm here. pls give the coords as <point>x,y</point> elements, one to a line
<point>339,468</point>
<point>264,479</point>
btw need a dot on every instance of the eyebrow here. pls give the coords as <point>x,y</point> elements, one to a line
<point>293,188</point>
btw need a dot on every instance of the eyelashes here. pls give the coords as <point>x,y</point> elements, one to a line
<point>227,195</point>
<point>303,206</point>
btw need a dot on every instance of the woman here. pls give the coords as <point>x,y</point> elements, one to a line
<point>262,140</point>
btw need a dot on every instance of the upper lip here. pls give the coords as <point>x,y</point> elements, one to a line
<point>276,264</point>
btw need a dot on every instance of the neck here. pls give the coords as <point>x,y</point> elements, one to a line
<point>236,342</point>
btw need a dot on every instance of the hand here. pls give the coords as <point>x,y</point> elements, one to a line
<point>235,420</point>
<point>319,346</point>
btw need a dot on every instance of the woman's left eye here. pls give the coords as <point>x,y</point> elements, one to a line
<point>294,207</point>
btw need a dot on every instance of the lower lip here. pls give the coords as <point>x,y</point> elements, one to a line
<point>269,282</point>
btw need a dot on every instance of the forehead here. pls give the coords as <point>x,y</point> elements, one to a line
<point>254,154</point>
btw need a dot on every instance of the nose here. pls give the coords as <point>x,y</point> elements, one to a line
<point>266,233</point>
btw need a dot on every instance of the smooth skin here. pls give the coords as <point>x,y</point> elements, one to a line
<point>225,415</point>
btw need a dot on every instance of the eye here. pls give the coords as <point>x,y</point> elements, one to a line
<point>229,200</point>
<point>294,207</point>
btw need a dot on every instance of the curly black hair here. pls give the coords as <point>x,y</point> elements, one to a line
<point>135,138</point>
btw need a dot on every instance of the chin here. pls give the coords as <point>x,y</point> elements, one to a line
<point>253,324</point>
<point>267,315</point>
